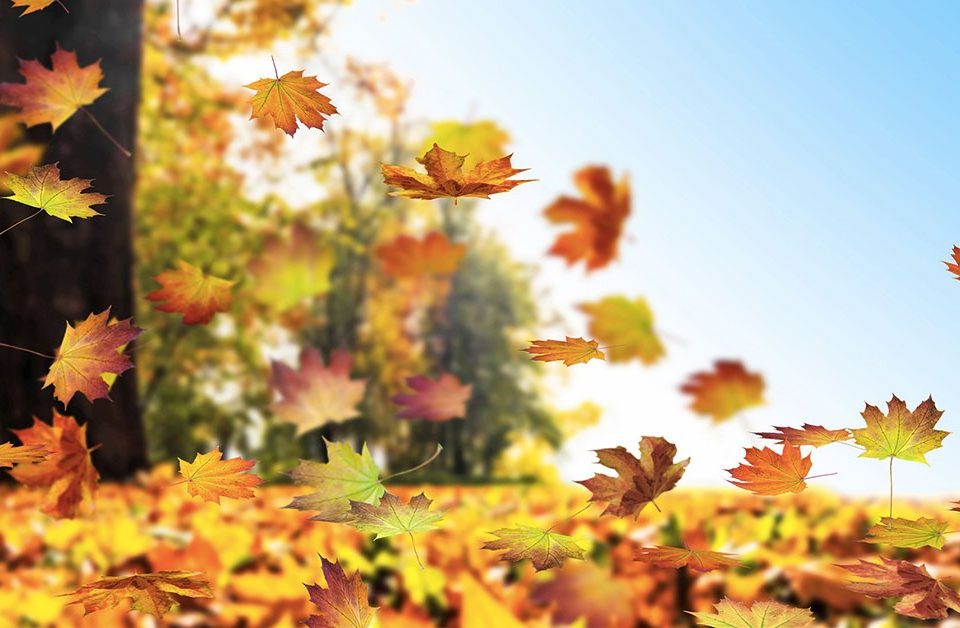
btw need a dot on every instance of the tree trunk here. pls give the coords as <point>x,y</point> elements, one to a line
<point>52,271</point>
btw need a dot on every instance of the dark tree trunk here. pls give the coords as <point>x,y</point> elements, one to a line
<point>52,271</point>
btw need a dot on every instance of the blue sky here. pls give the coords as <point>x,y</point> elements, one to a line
<point>794,168</point>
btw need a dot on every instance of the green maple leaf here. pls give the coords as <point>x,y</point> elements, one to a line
<point>392,517</point>
<point>908,532</point>
<point>346,476</point>
<point>545,549</point>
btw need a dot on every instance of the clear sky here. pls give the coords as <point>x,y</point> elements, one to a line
<point>794,168</point>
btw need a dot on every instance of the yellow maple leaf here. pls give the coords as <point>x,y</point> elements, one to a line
<point>289,98</point>
<point>152,593</point>
<point>212,478</point>
<point>43,188</point>
<point>570,351</point>
<point>626,327</point>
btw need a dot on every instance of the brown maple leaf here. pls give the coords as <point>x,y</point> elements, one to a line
<point>445,177</point>
<point>67,471</point>
<point>343,603</point>
<point>724,392</point>
<point>954,266</point>
<point>289,98</point>
<point>809,435</point>
<point>439,399</point>
<point>767,472</point>
<point>597,218</point>
<point>408,257</point>
<point>921,595</point>
<point>88,352</point>
<point>212,478</point>
<point>640,480</point>
<point>151,593</point>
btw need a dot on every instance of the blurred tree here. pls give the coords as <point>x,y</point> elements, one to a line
<point>53,271</point>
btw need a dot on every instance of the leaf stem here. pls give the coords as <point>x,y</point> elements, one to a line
<point>179,34</point>
<point>63,6</point>
<point>418,467</point>
<point>106,133</point>
<point>891,487</point>
<point>275,72</point>
<point>655,505</point>
<point>20,222</point>
<point>413,542</point>
<point>822,475</point>
<point>31,351</point>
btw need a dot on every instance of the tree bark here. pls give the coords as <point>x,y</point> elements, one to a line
<point>52,271</point>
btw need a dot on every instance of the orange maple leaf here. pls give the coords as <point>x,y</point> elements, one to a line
<point>407,257</point>
<point>676,557</point>
<point>212,478</point>
<point>289,98</point>
<point>640,480</point>
<point>53,95</point>
<point>16,156</point>
<point>724,392</point>
<point>67,471</point>
<point>87,353</point>
<point>193,293</point>
<point>445,177</point>
<point>32,6</point>
<point>151,593</point>
<point>12,455</point>
<point>597,218</point>
<point>954,267</point>
<point>810,435</point>
<point>767,472</point>
<point>343,603</point>
<point>316,394</point>
<point>921,595</point>
<point>439,399</point>
<point>571,351</point>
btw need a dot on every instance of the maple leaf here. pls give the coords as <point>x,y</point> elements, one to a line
<point>954,267</point>
<point>392,517</point>
<point>67,471</point>
<point>597,218</point>
<point>676,557</point>
<point>626,327</point>
<point>291,269</point>
<point>761,614</point>
<point>571,351</point>
<point>767,472</point>
<point>344,477</point>
<point>439,399</point>
<point>445,177</point>
<point>212,478</point>
<point>42,188</point>
<point>640,481</point>
<point>316,394</point>
<point>151,593</point>
<point>900,433</point>
<point>88,353</point>
<point>12,455</point>
<point>53,95</point>
<point>544,548</point>
<point>479,140</point>
<point>32,6</point>
<point>343,603</point>
<point>15,156</point>
<point>809,435</point>
<point>289,98</point>
<point>407,257</point>
<point>916,533</point>
<point>191,292</point>
<point>724,392</point>
<point>921,595</point>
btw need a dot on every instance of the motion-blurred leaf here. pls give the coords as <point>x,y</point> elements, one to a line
<point>191,292</point>
<point>626,328</point>
<point>724,392</point>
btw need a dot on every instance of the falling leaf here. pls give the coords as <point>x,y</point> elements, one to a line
<point>343,603</point>
<point>391,516</point>
<point>291,269</point>
<point>900,433</point>
<point>626,327</point>
<point>808,435</point>
<point>767,472</point>
<point>87,353</point>
<point>694,559</point>
<point>56,94</point>
<point>439,399</point>
<point>445,177</point>
<point>42,188</point>
<point>151,593</point>
<point>16,156</point>
<point>597,219</point>
<point>900,532</point>
<point>67,471</point>
<point>479,140</point>
<point>316,394</point>
<point>346,476</point>
<point>212,478</point>
<point>571,351</point>
<point>12,455</point>
<point>761,614</point>
<point>290,98</point>
<point>193,293</point>
<point>640,481</point>
<point>724,392</point>
<point>584,592</point>
<point>408,257</point>
<point>921,595</point>
<point>545,549</point>
<point>954,267</point>
<point>33,6</point>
